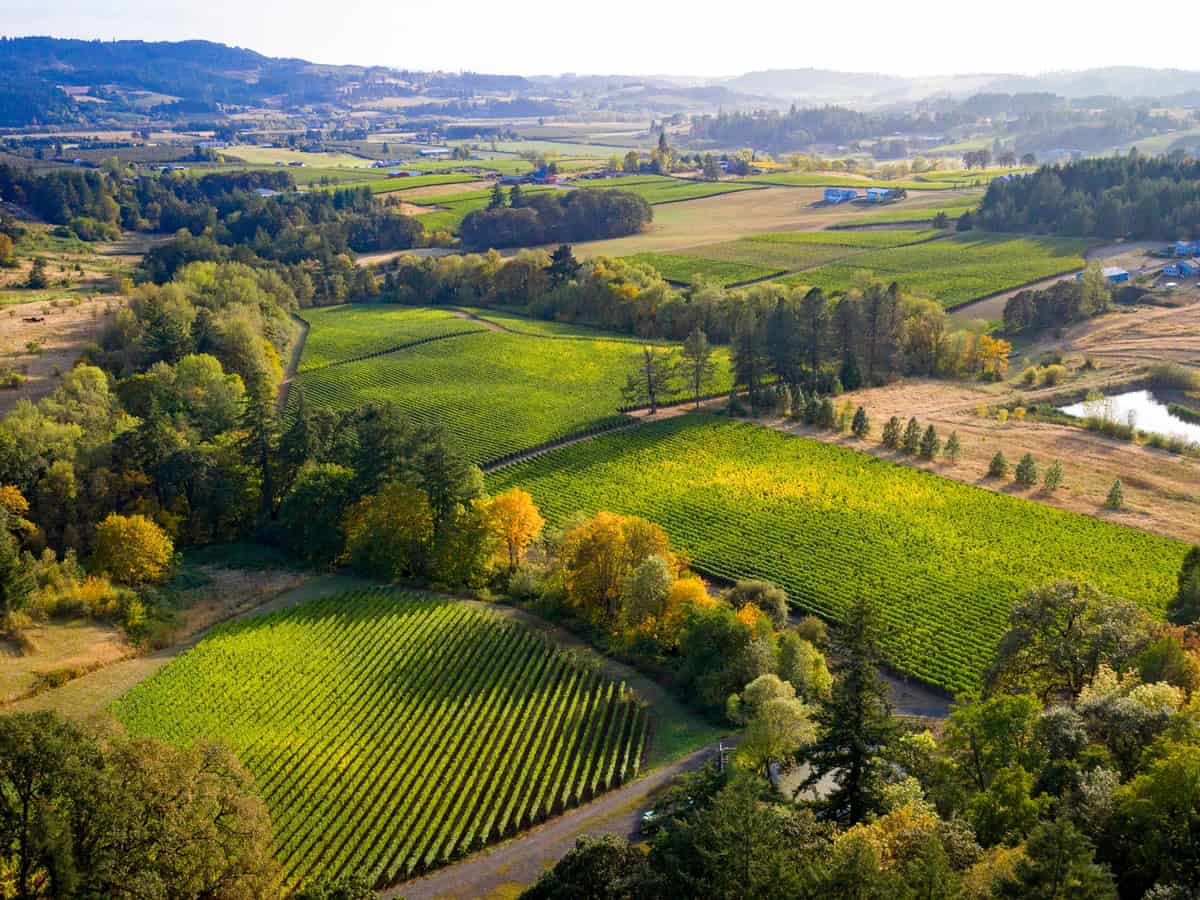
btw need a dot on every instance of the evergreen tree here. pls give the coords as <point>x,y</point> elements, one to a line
<point>953,450</point>
<point>16,578</point>
<point>1116,495</point>
<point>563,265</point>
<point>1059,862</point>
<point>38,279</point>
<point>998,467</point>
<point>712,171</point>
<point>260,441</point>
<point>861,426</point>
<point>931,444</point>
<point>911,442</point>
<point>850,375</point>
<point>650,378</point>
<point>856,722</point>
<point>1053,477</point>
<point>891,434</point>
<point>497,198</point>
<point>812,409</point>
<point>826,414</point>
<point>696,363</point>
<point>1184,607</point>
<point>516,197</point>
<point>1027,473</point>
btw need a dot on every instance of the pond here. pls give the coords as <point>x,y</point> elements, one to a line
<point>1147,414</point>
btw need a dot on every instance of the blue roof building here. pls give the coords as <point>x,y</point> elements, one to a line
<point>1115,274</point>
<point>840,195</point>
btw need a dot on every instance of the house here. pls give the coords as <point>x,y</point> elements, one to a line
<point>295,163</point>
<point>1187,248</point>
<point>1115,274</point>
<point>840,195</point>
<point>543,176</point>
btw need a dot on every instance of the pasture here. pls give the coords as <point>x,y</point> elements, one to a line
<point>390,732</point>
<point>944,560</point>
<point>495,392</point>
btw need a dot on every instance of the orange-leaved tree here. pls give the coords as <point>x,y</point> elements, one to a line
<point>514,520</point>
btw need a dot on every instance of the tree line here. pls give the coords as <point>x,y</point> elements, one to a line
<point>522,220</point>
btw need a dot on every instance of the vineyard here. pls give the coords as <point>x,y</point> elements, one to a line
<point>944,559</point>
<point>496,393</point>
<point>906,215</point>
<point>691,269</point>
<point>390,732</point>
<point>955,270</point>
<point>664,189</point>
<point>354,330</point>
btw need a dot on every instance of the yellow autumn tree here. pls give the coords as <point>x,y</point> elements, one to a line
<point>388,534</point>
<point>599,555</point>
<point>133,549</point>
<point>514,521</point>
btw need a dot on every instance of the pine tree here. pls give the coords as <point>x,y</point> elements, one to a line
<point>1027,473</point>
<point>998,467</point>
<point>696,363</point>
<point>891,434</point>
<point>911,442</point>
<point>497,199</point>
<point>1116,495</point>
<point>850,375</point>
<point>1054,475</point>
<point>931,444</point>
<point>260,442</point>
<point>826,414</point>
<point>38,279</point>
<point>812,409</point>
<point>953,451</point>
<point>516,198</point>
<point>861,426</point>
<point>1184,607</point>
<point>856,722</point>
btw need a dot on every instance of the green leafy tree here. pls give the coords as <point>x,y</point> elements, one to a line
<point>764,595</point>
<point>696,363</point>
<point>260,444</point>
<point>998,467</point>
<point>911,441</point>
<point>712,171</point>
<point>1052,480</point>
<point>855,722</point>
<point>312,511</point>
<point>388,534</point>
<point>1027,473</point>
<point>1116,496</point>
<point>860,427</point>
<point>16,578</point>
<point>891,434</point>
<point>985,736</point>
<point>931,444</point>
<point>596,868</point>
<point>1006,811</point>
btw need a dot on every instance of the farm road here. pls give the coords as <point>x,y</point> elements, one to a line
<point>503,869</point>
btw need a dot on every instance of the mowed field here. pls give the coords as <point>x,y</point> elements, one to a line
<point>496,391</point>
<point>944,560</point>
<point>389,732</point>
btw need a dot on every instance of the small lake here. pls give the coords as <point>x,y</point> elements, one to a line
<point>1148,414</point>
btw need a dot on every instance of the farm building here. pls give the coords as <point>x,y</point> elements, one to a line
<point>840,195</point>
<point>1187,248</point>
<point>1115,274</point>
<point>1185,268</point>
<point>435,151</point>
<point>879,194</point>
<point>266,192</point>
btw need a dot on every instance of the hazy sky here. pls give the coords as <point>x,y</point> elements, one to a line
<point>694,38</point>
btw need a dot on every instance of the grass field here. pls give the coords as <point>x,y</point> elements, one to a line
<point>955,270</point>
<point>453,208</point>
<point>943,560</point>
<point>905,214</point>
<point>495,392</point>
<point>342,333</point>
<point>389,733</point>
<point>387,185</point>
<point>655,189</point>
<point>802,179</point>
<point>271,155</point>
<point>691,269</point>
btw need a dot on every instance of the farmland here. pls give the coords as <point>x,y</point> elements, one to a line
<point>352,331</point>
<point>495,392</point>
<point>690,269</point>
<point>904,215</point>
<point>387,185</point>
<point>956,270</point>
<point>801,179</point>
<point>451,209</point>
<point>656,189</point>
<point>391,732</point>
<point>945,559</point>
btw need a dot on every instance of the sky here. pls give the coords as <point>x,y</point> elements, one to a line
<point>701,37</point>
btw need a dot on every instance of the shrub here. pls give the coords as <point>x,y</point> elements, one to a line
<point>1172,376</point>
<point>1002,416</point>
<point>1027,473</point>
<point>1031,376</point>
<point>998,467</point>
<point>1054,374</point>
<point>861,426</point>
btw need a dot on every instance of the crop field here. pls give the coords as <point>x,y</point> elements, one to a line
<point>272,155</point>
<point>776,253</point>
<point>453,208</point>
<point>801,179</point>
<point>338,334</point>
<point>944,560</point>
<point>955,270</point>
<point>496,393</point>
<point>691,269</point>
<point>387,185</point>
<point>391,732</point>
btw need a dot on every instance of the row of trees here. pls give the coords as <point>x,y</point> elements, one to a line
<point>578,215</point>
